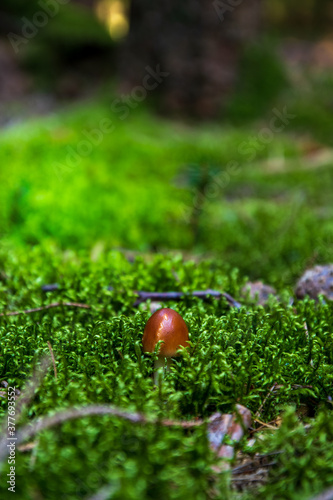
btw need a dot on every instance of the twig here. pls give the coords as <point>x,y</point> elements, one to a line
<point>32,385</point>
<point>165,296</point>
<point>142,297</point>
<point>248,479</point>
<point>27,447</point>
<point>31,430</point>
<point>25,398</point>
<point>308,338</point>
<point>201,294</point>
<point>48,306</point>
<point>53,360</point>
<point>263,424</point>
<point>256,463</point>
<point>257,415</point>
<point>276,387</point>
<point>218,424</point>
<point>52,287</point>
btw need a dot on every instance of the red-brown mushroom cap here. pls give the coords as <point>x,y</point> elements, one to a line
<point>167,325</point>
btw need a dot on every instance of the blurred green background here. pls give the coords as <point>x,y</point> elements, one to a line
<point>201,177</point>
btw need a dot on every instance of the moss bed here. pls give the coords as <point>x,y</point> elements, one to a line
<point>236,356</point>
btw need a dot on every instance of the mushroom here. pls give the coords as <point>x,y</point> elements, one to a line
<point>166,325</point>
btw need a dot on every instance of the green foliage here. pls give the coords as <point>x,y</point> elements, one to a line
<point>128,193</point>
<point>261,79</point>
<point>304,457</point>
<point>131,461</point>
<point>235,357</point>
<point>315,116</point>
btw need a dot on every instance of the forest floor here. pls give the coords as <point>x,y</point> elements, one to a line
<point>102,207</point>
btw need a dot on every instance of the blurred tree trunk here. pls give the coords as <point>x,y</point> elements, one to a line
<point>197,42</point>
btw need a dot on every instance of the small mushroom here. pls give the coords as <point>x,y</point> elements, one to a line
<point>316,281</point>
<point>168,326</point>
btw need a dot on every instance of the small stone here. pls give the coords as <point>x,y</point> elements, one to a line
<point>316,281</point>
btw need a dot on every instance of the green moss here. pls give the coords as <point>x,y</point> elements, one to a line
<point>304,457</point>
<point>253,207</point>
<point>134,190</point>
<point>236,356</point>
<point>261,80</point>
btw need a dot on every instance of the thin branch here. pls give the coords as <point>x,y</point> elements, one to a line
<point>31,430</point>
<point>27,447</point>
<point>257,415</point>
<point>25,398</point>
<point>48,306</point>
<point>53,360</point>
<point>275,388</point>
<point>32,385</point>
<point>308,338</point>
<point>257,462</point>
<point>263,425</point>
<point>201,294</point>
<point>142,297</point>
<point>218,425</point>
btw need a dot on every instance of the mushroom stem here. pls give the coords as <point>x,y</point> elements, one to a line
<point>161,362</point>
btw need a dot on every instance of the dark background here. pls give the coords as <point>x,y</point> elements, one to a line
<point>201,44</point>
